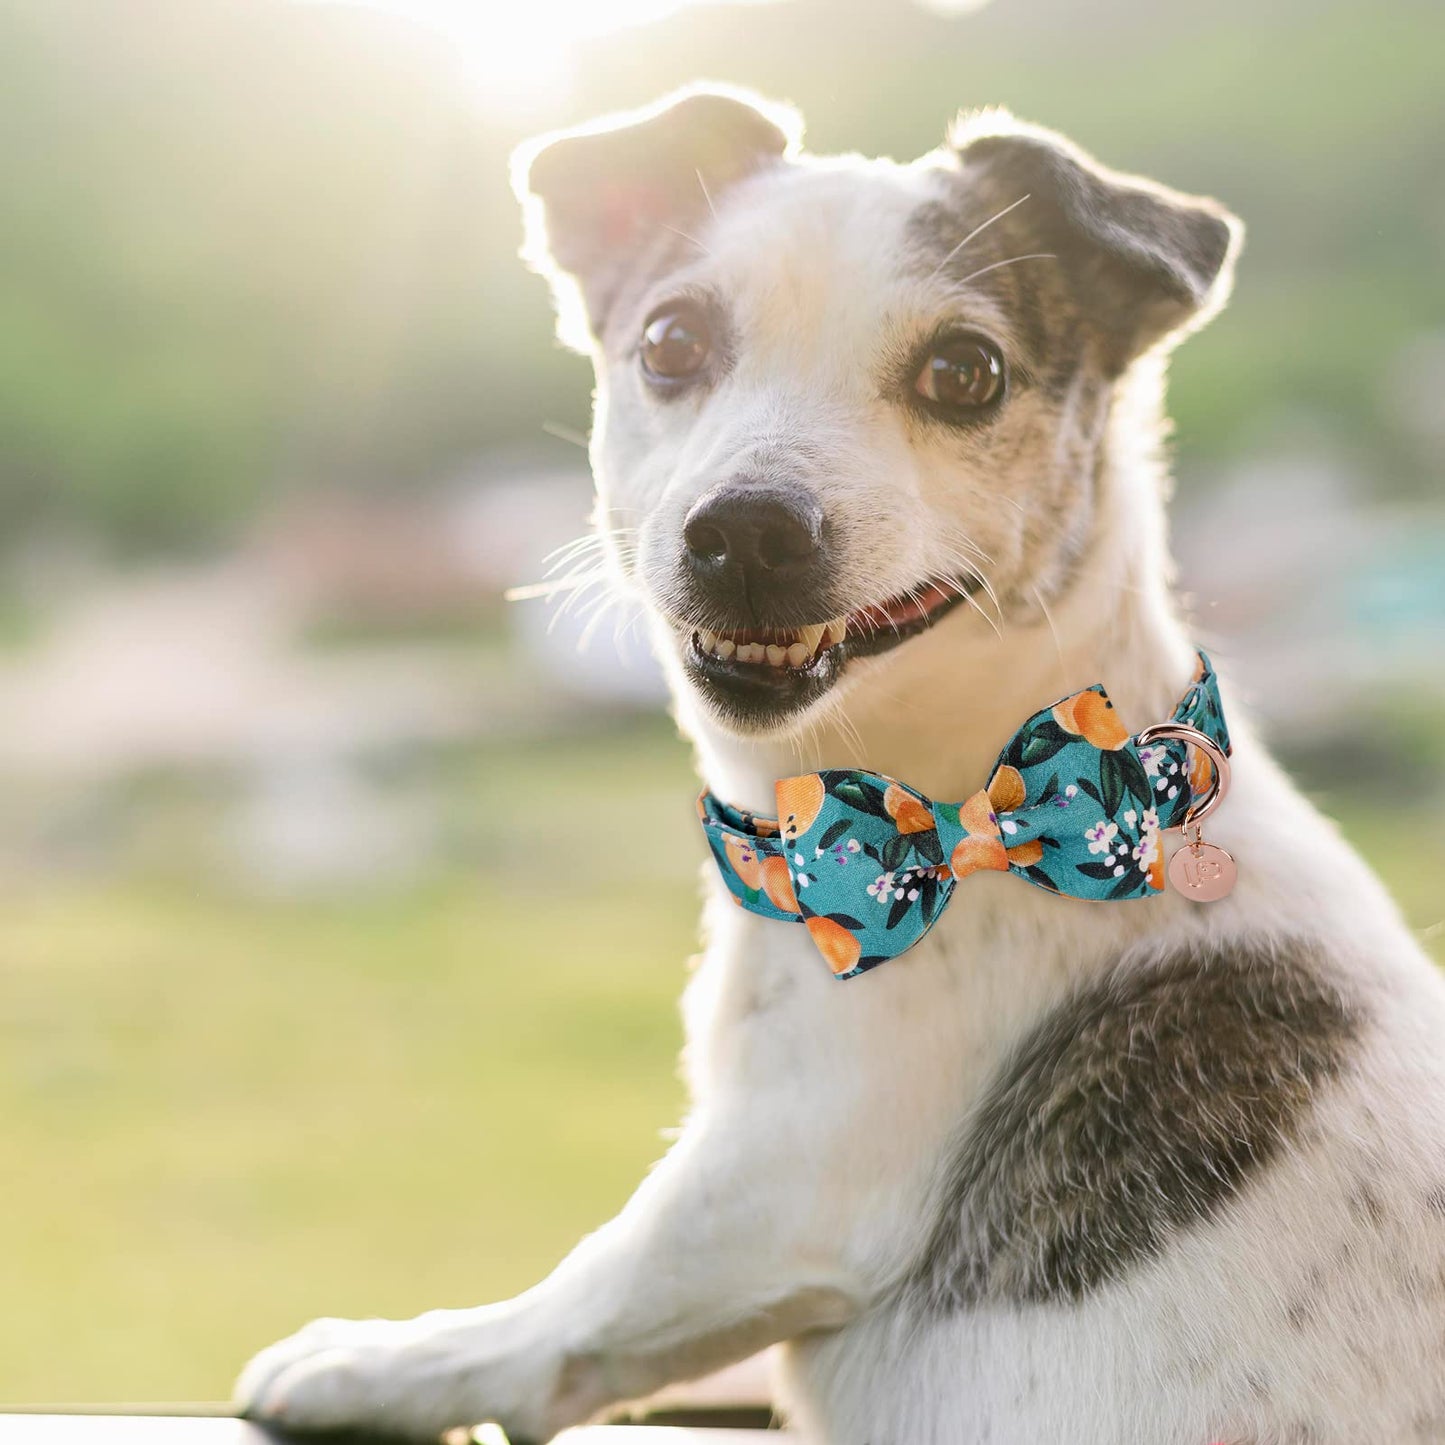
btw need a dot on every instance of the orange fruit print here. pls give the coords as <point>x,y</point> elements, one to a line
<point>1007,789</point>
<point>975,854</point>
<point>745,862</point>
<point>1156,869</point>
<point>907,812</point>
<point>977,815</point>
<point>1091,715</point>
<point>839,948</point>
<point>778,885</point>
<point>800,800</point>
<point>1201,772</point>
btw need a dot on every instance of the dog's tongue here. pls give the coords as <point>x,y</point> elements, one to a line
<point>901,611</point>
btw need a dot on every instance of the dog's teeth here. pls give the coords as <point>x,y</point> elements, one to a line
<point>794,648</point>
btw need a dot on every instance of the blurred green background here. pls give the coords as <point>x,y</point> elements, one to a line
<point>289,1021</point>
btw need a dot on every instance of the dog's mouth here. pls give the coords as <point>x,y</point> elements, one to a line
<point>759,674</point>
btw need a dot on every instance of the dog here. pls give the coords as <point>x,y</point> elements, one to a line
<point>878,447</point>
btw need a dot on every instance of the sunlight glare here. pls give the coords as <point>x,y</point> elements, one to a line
<point>519,53</point>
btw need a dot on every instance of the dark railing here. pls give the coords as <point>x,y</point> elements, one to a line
<point>215,1425</point>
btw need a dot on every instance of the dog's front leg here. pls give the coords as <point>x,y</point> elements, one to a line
<point>714,1257</point>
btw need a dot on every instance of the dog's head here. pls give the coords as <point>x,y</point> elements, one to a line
<point>841,399</point>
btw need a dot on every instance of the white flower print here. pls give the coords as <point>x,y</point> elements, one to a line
<point>1146,851</point>
<point>881,887</point>
<point>1101,836</point>
<point>1151,755</point>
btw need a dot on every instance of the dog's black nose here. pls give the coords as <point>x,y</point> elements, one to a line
<point>750,540</point>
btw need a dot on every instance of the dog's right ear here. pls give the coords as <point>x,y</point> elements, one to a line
<point>600,199</point>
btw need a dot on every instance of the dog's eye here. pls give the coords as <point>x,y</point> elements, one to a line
<point>964,373</point>
<point>676,343</point>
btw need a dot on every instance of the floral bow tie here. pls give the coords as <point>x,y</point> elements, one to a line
<point>1075,805</point>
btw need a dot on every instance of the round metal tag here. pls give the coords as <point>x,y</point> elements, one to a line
<point>1202,872</point>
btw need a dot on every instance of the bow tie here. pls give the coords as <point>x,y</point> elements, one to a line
<point>1074,804</point>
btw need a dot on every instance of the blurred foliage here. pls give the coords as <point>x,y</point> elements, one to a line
<point>249,244</point>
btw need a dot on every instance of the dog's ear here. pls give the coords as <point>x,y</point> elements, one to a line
<point>1142,262</point>
<point>600,199</point>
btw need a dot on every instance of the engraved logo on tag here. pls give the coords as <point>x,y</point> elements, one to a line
<point>1202,871</point>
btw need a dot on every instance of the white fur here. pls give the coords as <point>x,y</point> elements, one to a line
<point>798,1194</point>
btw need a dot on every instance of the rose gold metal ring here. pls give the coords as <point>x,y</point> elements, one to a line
<point>1199,808</point>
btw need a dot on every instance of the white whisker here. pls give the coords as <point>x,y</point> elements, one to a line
<point>565,434</point>
<point>697,171</point>
<point>1012,260</point>
<point>1048,617</point>
<point>1008,501</point>
<point>684,235</point>
<point>997,216</point>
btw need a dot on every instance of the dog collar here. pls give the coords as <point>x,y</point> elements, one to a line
<point>1075,805</point>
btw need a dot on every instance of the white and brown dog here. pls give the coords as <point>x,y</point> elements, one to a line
<point>878,447</point>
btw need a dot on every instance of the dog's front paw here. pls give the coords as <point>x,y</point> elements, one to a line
<point>365,1375</point>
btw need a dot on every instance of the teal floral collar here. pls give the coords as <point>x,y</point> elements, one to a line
<point>1075,805</point>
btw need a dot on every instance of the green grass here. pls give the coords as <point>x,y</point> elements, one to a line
<point>224,1116</point>
<point>221,1118</point>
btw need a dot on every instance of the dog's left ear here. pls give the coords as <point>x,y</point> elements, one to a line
<point>1144,263</point>
<point>601,199</point>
